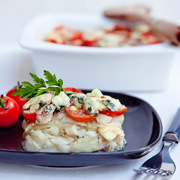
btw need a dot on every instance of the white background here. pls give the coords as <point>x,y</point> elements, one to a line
<point>13,16</point>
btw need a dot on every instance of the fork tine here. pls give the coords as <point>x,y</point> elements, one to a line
<point>140,170</point>
<point>161,164</point>
<point>151,171</point>
<point>156,171</point>
<point>165,173</point>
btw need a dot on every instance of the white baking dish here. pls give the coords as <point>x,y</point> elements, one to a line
<point>144,68</point>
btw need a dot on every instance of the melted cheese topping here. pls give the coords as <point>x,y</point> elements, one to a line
<point>93,103</point>
<point>61,100</point>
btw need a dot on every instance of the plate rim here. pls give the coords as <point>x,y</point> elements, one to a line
<point>143,149</point>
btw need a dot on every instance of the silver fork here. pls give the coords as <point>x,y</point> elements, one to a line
<point>162,164</point>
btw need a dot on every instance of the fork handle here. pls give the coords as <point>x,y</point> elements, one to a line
<point>171,137</point>
<point>173,133</point>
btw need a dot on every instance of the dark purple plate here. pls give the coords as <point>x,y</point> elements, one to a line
<point>142,126</point>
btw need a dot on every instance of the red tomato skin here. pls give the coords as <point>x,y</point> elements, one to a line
<point>59,28</point>
<point>120,27</point>
<point>89,42</point>
<point>151,38</point>
<point>30,117</point>
<point>11,115</point>
<point>71,89</point>
<point>19,100</point>
<point>78,116</point>
<point>52,41</point>
<point>115,113</point>
<point>77,35</point>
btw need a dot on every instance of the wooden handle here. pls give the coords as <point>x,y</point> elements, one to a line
<point>166,31</point>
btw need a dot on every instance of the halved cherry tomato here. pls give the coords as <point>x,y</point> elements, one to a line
<point>59,28</point>
<point>79,115</point>
<point>76,35</point>
<point>30,117</point>
<point>9,111</point>
<point>119,27</point>
<point>114,113</point>
<point>150,38</point>
<point>89,42</point>
<point>155,41</point>
<point>71,89</point>
<point>18,99</point>
<point>59,40</point>
<point>52,40</point>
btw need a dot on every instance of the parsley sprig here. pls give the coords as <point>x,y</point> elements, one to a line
<point>41,86</point>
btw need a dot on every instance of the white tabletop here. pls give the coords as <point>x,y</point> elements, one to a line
<point>166,103</point>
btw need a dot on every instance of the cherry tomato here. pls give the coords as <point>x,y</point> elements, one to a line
<point>79,115</point>
<point>19,100</point>
<point>119,27</point>
<point>30,117</point>
<point>89,42</point>
<point>52,40</point>
<point>150,38</point>
<point>114,113</point>
<point>59,40</point>
<point>71,89</point>
<point>9,111</point>
<point>76,35</point>
<point>59,28</point>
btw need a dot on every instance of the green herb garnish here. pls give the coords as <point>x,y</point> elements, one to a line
<point>52,84</point>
